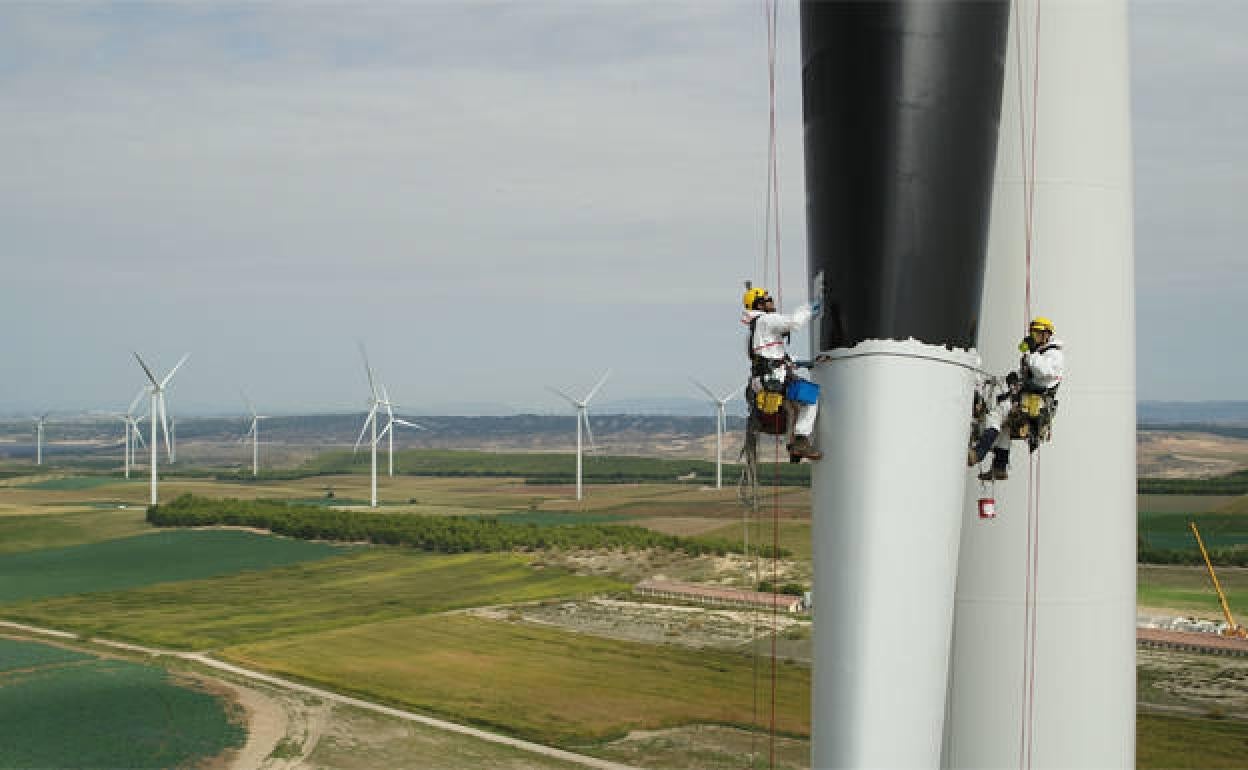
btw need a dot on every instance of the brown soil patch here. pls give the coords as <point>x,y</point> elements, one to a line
<point>1184,455</point>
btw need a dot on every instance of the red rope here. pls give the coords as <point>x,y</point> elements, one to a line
<point>773,208</point>
<point>1027,150</point>
<point>1035,577</point>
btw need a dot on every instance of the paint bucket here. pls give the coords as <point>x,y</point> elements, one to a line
<point>987,508</point>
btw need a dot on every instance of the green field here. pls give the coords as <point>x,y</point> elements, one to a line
<point>158,557</point>
<point>71,483</point>
<point>64,709</point>
<point>1189,588</point>
<point>1183,503</point>
<point>17,655</point>
<point>541,684</point>
<point>364,587</point>
<point>36,532</point>
<point>1187,743</point>
<point>1170,530</point>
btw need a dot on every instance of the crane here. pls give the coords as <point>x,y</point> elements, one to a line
<point>1232,628</point>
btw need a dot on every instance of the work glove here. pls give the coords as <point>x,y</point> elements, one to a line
<point>1027,345</point>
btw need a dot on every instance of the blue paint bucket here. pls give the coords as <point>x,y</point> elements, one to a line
<point>802,391</point>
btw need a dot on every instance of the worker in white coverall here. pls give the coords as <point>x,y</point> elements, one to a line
<point>770,362</point>
<point>1041,370</point>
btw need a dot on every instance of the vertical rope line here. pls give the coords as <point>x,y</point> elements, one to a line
<point>772,26</point>
<point>768,14</point>
<point>1035,577</point>
<point>1031,179</point>
<point>1024,733</point>
<point>1023,161</point>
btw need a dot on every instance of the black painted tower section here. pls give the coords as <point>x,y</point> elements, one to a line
<point>901,101</point>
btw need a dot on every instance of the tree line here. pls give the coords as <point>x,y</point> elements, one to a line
<point>442,534</point>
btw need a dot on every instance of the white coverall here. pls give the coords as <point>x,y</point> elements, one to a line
<point>768,342</point>
<point>1046,365</point>
<point>1045,368</point>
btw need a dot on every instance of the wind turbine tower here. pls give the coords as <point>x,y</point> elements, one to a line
<point>254,432</point>
<point>582,418</point>
<point>388,431</point>
<point>39,421</point>
<point>157,390</point>
<point>720,427</point>
<point>375,402</point>
<point>132,429</point>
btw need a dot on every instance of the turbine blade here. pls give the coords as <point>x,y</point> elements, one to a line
<point>401,421</point>
<point>147,371</point>
<point>372,387</point>
<point>594,389</point>
<point>384,431</point>
<point>738,392</point>
<point>164,422</point>
<point>139,435</point>
<point>558,392</point>
<point>371,413</point>
<point>704,389</point>
<point>174,370</point>
<point>588,432</point>
<point>385,397</point>
<point>142,392</point>
<point>247,401</point>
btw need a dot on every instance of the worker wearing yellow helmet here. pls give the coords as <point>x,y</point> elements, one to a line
<point>772,367</point>
<point>1043,364</point>
<point>1040,372</point>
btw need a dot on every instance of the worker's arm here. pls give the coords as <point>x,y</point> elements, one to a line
<point>780,324</point>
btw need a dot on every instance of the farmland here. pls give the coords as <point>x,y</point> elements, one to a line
<point>68,709</point>
<point>393,623</point>
<point>141,560</point>
<point>538,683</point>
<point>365,587</point>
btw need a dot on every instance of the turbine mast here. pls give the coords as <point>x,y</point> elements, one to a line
<point>901,109</point>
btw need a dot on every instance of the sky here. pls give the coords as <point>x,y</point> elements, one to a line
<point>492,197</point>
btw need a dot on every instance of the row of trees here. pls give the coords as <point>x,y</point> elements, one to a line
<point>1230,484</point>
<point>444,534</point>
<point>1145,553</point>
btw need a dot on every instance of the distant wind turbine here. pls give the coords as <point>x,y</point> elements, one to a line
<point>582,418</point>
<point>254,432</point>
<point>39,421</point>
<point>721,425</point>
<point>388,431</point>
<point>132,428</point>
<point>157,391</point>
<point>374,403</point>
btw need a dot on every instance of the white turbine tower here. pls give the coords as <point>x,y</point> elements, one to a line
<point>374,402</point>
<point>172,439</point>
<point>254,432</point>
<point>582,418</point>
<point>157,389</point>
<point>39,421</point>
<point>132,429</point>
<point>391,420</point>
<point>721,425</point>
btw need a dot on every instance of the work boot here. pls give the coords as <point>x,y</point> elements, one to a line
<point>802,448</point>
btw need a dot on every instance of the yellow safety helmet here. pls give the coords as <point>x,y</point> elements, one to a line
<point>1041,324</point>
<point>752,296</point>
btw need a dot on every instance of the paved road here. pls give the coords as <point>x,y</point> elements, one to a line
<point>201,658</point>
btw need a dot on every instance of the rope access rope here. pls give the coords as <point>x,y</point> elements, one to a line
<point>1027,149</point>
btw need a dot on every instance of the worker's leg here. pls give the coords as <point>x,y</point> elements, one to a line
<point>985,442</point>
<point>804,426</point>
